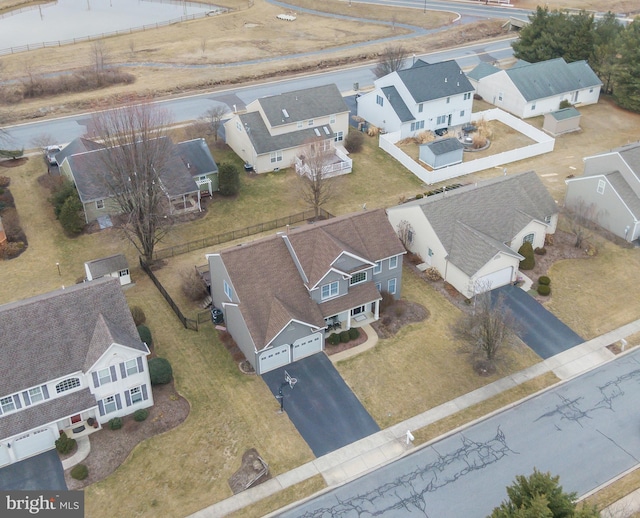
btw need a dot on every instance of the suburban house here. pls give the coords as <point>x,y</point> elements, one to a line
<point>187,171</point>
<point>532,89</point>
<point>425,96</point>
<point>608,192</point>
<point>275,130</point>
<point>471,235</point>
<point>69,357</point>
<point>112,266</point>
<point>282,294</point>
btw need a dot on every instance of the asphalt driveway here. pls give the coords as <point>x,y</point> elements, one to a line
<point>538,328</point>
<point>321,406</point>
<point>40,472</point>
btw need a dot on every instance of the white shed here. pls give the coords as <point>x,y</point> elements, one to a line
<point>112,266</point>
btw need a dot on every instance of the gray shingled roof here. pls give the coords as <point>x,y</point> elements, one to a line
<point>106,265</point>
<point>475,222</point>
<point>631,155</point>
<point>625,191</point>
<point>482,70</point>
<point>553,77</point>
<point>62,332</point>
<point>263,142</point>
<point>565,113</point>
<point>305,104</point>
<point>397,103</point>
<point>78,145</point>
<point>427,82</point>
<point>196,156</point>
<point>446,145</point>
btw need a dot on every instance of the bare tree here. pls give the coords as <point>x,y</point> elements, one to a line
<point>488,327</point>
<point>316,187</point>
<point>405,233</point>
<point>212,119</point>
<point>99,59</point>
<point>138,153</point>
<point>203,45</point>
<point>581,217</point>
<point>391,60</point>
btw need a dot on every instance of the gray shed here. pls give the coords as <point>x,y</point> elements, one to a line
<point>112,266</point>
<point>442,153</point>
<point>562,121</point>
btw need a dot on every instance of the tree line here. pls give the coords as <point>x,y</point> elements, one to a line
<point>611,48</point>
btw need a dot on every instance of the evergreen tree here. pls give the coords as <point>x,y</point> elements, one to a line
<point>606,32</point>
<point>71,215</point>
<point>526,251</point>
<point>626,76</point>
<point>580,37</point>
<point>228,179</point>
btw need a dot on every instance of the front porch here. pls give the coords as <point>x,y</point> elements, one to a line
<point>81,428</point>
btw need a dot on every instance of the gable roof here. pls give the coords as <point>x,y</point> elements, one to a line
<point>196,156</point>
<point>631,155</point>
<point>565,113</point>
<point>429,81</point>
<point>481,70</point>
<point>625,191</point>
<point>269,285</point>
<point>65,331</point>
<point>476,222</point>
<point>304,104</point>
<point>552,77</point>
<point>106,265</point>
<point>445,145</point>
<point>78,145</point>
<point>398,105</point>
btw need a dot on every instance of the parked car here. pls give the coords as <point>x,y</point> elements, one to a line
<point>50,154</point>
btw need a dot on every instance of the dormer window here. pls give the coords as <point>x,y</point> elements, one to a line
<point>330,290</point>
<point>358,277</point>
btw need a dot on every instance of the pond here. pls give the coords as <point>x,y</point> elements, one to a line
<point>64,20</point>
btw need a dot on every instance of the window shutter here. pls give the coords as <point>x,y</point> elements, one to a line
<point>123,371</point>
<point>45,391</point>
<point>112,369</point>
<point>144,392</point>
<point>100,406</point>
<point>27,399</point>
<point>127,397</point>
<point>96,383</point>
<point>118,402</point>
<point>16,399</point>
<point>140,364</point>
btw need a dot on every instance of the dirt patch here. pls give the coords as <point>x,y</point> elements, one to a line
<point>15,162</point>
<point>396,316</point>
<point>110,448</point>
<point>254,470</point>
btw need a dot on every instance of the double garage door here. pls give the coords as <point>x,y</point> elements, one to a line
<point>282,355</point>
<point>32,443</point>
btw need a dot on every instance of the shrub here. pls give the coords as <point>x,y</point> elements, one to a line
<point>228,179</point>
<point>540,251</point>
<point>333,339</point>
<point>140,415</point>
<point>145,335</point>
<point>526,251</point>
<point>160,371</point>
<point>5,181</point>
<point>432,274</point>
<point>12,250</point>
<point>544,289</point>
<point>138,315</point>
<point>193,286</point>
<point>354,141</point>
<point>64,444</point>
<point>544,280</point>
<point>354,333</point>
<point>344,337</point>
<point>115,423</point>
<point>60,195</point>
<point>565,104</point>
<point>72,215</point>
<point>79,472</point>
<point>419,196</point>
<point>386,302</point>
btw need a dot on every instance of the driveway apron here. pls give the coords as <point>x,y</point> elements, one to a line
<point>321,406</point>
<point>41,472</point>
<point>540,329</point>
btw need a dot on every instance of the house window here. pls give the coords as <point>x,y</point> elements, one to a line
<point>131,366</point>
<point>601,186</point>
<point>238,126</point>
<point>430,252</point>
<point>7,404</point>
<point>528,238</point>
<point>441,119</point>
<point>332,118</point>
<point>448,99</point>
<point>467,96</point>
<point>420,107</point>
<point>104,376</point>
<point>329,290</point>
<point>409,236</point>
<point>68,384</point>
<point>461,113</point>
<point>275,156</point>
<point>136,395</point>
<point>500,96</point>
<point>357,311</point>
<point>124,272</point>
<point>357,278</point>
<point>35,394</point>
<point>300,124</point>
<point>533,106</point>
<point>547,219</point>
<point>393,262</point>
<point>590,90</point>
<point>417,125</point>
<point>99,204</point>
<point>380,100</point>
<point>109,404</point>
<point>339,136</point>
<point>379,286</point>
<point>391,286</point>
<point>378,267</point>
<point>310,122</point>
<point>227,290</point>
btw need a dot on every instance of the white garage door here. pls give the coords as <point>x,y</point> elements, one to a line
<point>307,346</point>
<point>495,280</point>
<point>4,455</point>
<point>274,358</point>
<point>34,442</point>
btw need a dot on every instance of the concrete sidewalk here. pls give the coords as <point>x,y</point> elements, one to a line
<point>378,449</point>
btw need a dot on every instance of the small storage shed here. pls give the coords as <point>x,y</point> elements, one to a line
<point>442,153</point>
<point>562,121</point>
<point>112,266</point>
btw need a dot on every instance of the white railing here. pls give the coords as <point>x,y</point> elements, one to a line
<point>344,166</point>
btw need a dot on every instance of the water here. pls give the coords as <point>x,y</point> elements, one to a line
<point>67,19</point>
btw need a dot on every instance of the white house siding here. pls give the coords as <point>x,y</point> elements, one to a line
<point>383,117</point>
<point>538,229</point>
<point>440,107</point>
<point>239,141</point>
<point>498,263</point>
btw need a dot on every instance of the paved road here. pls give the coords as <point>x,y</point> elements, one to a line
<point>586,431</point>
<point>540,329</point>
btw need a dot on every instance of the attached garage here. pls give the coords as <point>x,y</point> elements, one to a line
<point>33,443</point>
<point>307,346</point>
<point>494,280</point>
<point>274,358</point>
<point>4,455</point>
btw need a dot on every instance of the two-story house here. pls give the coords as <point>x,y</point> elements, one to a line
<point>425,96</point>
<point>274,131</point>
<point>68,356</point>
<point>282,294</point>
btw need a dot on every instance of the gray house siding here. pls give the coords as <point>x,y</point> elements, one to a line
<point>386,274</point>
<point>291,333</point>
<point>343,286</point>
<point>238,329</point>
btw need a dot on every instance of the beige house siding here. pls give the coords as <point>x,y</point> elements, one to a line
<point>538,229</point>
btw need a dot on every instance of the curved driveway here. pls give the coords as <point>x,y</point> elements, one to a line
<point>585,431</point>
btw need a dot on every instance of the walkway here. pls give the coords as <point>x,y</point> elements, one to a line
<point>84,447</point>
<point>388,445</point>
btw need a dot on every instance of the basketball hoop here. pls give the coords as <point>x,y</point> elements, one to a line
<point>290,380</point>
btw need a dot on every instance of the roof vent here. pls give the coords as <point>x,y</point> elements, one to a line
<point>458,83</point>
<point>445,79</point>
